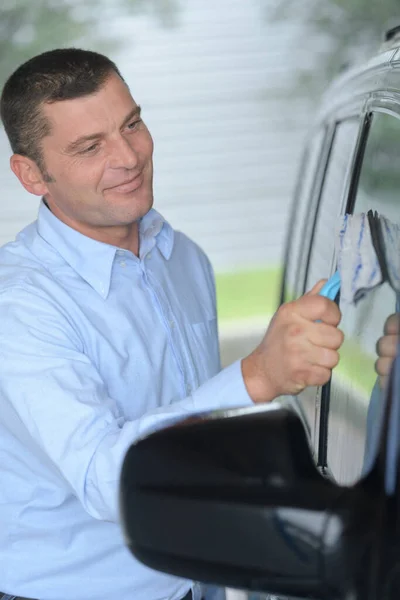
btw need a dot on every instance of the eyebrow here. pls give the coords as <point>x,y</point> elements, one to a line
<point>135,112</point>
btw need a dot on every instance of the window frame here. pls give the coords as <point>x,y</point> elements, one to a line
<point>336,124</point>
<point>321,402</point>
<point>350,192</point>
<point>381,102</point>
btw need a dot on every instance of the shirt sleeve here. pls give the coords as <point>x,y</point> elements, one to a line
<point>49,383</point>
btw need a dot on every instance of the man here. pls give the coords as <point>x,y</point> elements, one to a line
<point>107,330</point>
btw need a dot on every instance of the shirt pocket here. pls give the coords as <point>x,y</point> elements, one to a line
<point>205,334</point>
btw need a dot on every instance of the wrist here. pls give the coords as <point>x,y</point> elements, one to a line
<point>258,385</point>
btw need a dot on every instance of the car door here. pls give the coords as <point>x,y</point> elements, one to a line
<point>352,401</point>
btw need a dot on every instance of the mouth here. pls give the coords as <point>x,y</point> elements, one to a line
<point>128,186</point>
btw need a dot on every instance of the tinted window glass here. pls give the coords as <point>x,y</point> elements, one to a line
<point>299,238</point>
<point>332,201</point>
<point>321,256</point>
<point>354,382</point>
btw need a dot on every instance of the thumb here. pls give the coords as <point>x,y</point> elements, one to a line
<point>317,288</point>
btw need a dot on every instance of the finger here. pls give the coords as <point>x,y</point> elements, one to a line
<point>318,376</point>
<point>324,357</point>
<point>387,346</point>
<point>383,366</point>
<point>318,308</point>
<point>392,325</point>
<point>325,336</point>
<point>309,365</point>
<point>317,288</point>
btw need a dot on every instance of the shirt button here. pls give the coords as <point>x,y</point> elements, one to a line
<point>123,263</point>
<point>148,256</point>
<point>188,389</point>
<point>172,324</point>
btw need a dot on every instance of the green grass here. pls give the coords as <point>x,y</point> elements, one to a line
<point>356,365</point>
<point>246,294</point>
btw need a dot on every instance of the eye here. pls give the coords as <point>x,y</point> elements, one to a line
<point>89,149</point>
<point>134,124</point>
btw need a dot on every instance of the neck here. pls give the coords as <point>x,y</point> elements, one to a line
<point>121,236</point>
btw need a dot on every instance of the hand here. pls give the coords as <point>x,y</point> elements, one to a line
<point>299,349</point>
<point>386,348</point>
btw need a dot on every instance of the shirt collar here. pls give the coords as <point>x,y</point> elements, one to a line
<point>155,230</point>
<point>93,260</point>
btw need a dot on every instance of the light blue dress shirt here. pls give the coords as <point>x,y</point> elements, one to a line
<point>97,348</point>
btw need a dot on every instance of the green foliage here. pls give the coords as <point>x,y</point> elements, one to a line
<point>340,32</point>
<point>28,27</point>
<point>246,294</point>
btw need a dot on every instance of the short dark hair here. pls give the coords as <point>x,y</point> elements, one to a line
<point>60,74</point>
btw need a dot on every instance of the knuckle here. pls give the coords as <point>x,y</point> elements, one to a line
<point>382,366</point>
<point>318,376</point>
<point>386,346</point>
<point>331,311</point>
<point>294,330</point>
<point>340,337</point>
<point>326,309</point>
<point>322,302</point>
<point>328,358</point>
<point>392,324</point>
<point>379,346</point>
<point>301,374</point>
<point>314,303</point>
<point>334,313</point>
<point>378,366</point>
<point>322,377</point>
<point>336,337</point>
<point>338,313</point>
<point>326,303</point>
<point>334,359</point>
<point>285,311</point>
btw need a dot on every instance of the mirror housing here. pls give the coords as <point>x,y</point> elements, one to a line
<point>236,500</point>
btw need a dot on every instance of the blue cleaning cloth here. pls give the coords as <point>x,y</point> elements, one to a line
<point>359,269</point>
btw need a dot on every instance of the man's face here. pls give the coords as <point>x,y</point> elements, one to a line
<point>99,158</point>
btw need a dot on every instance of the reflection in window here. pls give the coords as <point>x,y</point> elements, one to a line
<point>300,238</point>
<point>332,201</point>
<point>323,241</point>
<point>354,381</point>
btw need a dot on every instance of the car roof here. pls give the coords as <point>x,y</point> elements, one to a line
<point>379,75</point>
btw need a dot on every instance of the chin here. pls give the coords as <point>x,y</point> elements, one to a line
<point>144,205</point>
<point>136,211</point>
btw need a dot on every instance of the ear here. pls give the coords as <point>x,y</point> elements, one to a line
<point>29,174</point>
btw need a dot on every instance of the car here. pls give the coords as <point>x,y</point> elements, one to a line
<point>300,498</point>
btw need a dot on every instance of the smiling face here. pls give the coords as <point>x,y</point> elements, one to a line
<point>98,160</point>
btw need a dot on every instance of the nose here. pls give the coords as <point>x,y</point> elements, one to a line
<point>122,154</point>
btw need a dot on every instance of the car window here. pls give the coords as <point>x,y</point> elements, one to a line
<point>354,390</point>
<point>297,238</point>
<point>322,226</point>
<point>332,201</point>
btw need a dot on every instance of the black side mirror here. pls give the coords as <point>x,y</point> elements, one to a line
<point>237,501</point>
